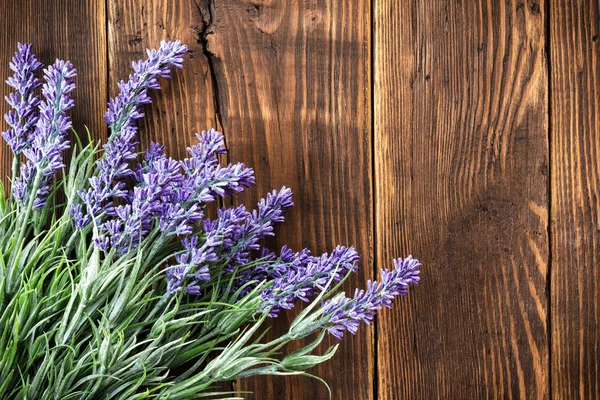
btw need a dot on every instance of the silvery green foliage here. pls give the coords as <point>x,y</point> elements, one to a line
<point>128,289</point>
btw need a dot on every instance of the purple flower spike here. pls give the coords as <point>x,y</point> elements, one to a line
<point>157,177</point>
<point>211,143</point>
<point>122,114</point>
<point>124,109</point>
<point>206,178</point>
<point>23,116</point>
<point>50,136</point>
<point>271,209</point>
<point>303,282</point>
<point>256,226</point>
<point>344,314</point>
<point>192,263</point>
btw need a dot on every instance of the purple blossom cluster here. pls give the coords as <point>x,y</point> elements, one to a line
<point>273,266</point>
<point>307,275</point>
<point>256,225</point>
<point>166,193</point>
<point>194,262</point>
<point>24,102</point>
<point>38,129</point>
<point>345,314</point>
<point>128,199</point>
<point>230,238</point>
<point>123,112</point>
<point>172,195</point>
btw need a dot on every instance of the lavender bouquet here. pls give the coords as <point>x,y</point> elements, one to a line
<point>114,282</point>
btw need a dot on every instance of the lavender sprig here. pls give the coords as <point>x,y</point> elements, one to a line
<point>194,261</point>
<point>206,179</point>
<point>217,235</point>
<point>203,179</point>
<point>301,283</point>
<point>345,314</point>
<point>255,226</point>
<point>23,116</point>
<point>123,112</point>
<point>232,236</point>
<point>49,139</point>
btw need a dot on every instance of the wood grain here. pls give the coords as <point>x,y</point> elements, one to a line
<point>185,104</point>
<point>449,161</point>
<point>461,181</point>
<point>70,30</point>
<point>293,84</point>
<point>575,216</point>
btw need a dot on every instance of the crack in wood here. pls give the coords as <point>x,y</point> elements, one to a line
<point>208,16</point>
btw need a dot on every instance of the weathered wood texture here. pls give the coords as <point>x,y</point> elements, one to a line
<point>70,30</point>
<point>461,180</point>
<point>575,180</point>
<point>465,139</point>
<point>293,82</point>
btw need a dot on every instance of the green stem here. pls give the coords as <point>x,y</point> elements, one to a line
<point>160,241</point>
<point>24,224</point>
<point>32,194</point>
<point>15,170</point>
<point>65,335</point>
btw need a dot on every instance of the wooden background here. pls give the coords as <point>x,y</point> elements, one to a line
<point>464,132</point>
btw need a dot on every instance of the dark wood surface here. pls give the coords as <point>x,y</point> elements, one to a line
<point>461,180</point>
<point>462,132</point>
<point>575,180</point>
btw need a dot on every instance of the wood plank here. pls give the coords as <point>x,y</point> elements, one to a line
<point>461,172</point>
<point>73,30</point>
<point>185,104</point>
<point>575,180</point>
<point>293,83</point>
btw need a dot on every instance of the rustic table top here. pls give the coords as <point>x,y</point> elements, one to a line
<point>463,132</point>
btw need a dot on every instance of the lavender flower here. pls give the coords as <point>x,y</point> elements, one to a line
<point>345,314</point>
<point>156,178</point>
<point>21,183</point>
<point>270,266</point>
<point>277,266</point>
<point>194,261</point>
<point>256,226</point>
<point>236,233</point>
<point>210,144</point>
<point>270,210</point>
<point>302,282</point>
<point>206,178</point>
<point>203,181</point>
<point>50,136</point>
<point>124,109</point>
<point>217,234</point>
<point>123,112</point>
<point>23,117</point>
